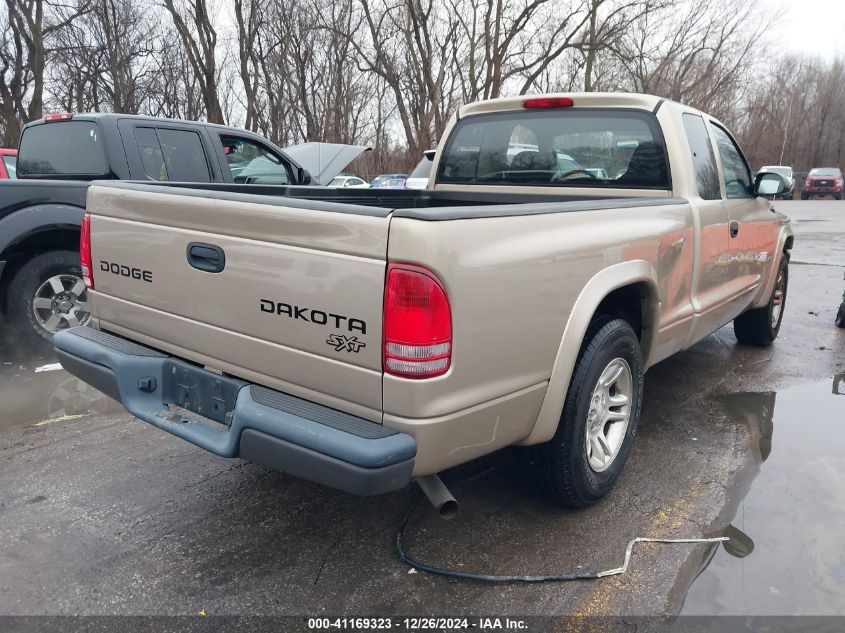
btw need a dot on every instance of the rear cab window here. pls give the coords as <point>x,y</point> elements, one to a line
<point>171,154</point>
<point>587,147</point>
<point>703,159</point>
<point>63,149</point>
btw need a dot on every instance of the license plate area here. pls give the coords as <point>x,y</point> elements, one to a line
<point>200,391</point>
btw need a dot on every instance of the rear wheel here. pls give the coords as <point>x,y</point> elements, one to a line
<point>761,326</point>
<point>583,460</point>
<point>46,295</point>
<point>840,316</point>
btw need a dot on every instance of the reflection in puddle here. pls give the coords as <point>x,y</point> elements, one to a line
<point>785,512</point>
<point>30,397</point>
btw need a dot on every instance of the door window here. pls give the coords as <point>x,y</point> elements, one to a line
<point>737,173</point>
<point>251,163</point>
<point>151,157</point>
<point>184,155</point>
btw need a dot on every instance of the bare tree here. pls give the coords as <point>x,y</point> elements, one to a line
<point>195,27</point>
<point>30,25</point>
<point>702,54</point>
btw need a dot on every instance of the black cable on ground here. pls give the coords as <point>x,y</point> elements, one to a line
<point>493,578</point>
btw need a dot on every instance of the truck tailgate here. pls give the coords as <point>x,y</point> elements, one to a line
<point>291,296</point>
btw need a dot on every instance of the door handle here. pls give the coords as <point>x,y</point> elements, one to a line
<point>734,229</point>
<point>206,257</point>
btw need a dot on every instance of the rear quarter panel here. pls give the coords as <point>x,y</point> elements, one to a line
<point>512,284</point>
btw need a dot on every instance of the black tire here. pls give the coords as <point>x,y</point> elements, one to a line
<point>840,316</point>
<point>757,327</point>
<point>804,196</point>
<point>560,469</point>
<point>26,331</point>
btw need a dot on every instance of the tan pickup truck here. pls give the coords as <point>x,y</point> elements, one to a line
<point>362,338</point>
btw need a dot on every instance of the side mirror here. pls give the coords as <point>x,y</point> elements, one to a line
<point>769,184</point>
<point>304,176</point>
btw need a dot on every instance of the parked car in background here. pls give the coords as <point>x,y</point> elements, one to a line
<point>349,182</point>
<point>418,179</point>
<point>379,180</point>
<point>785,172</point>
<point>361,338</point>
<point>41,289</point>
<point>8,163</point>
<point>394,183</point>
<point>824,181</point>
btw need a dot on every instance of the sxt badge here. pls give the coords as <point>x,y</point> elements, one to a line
<point>348,343</point>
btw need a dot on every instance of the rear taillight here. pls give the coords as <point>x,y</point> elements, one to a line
<point>85,252</point>
<point>417,323</point>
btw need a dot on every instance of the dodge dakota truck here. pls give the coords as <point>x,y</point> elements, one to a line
<point>41,290</point>
<point>365,338</point>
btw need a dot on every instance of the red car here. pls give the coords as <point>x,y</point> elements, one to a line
<point>8,164</point>
<point>824,181</point>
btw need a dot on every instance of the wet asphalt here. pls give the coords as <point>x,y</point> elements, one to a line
<point>103,514</point>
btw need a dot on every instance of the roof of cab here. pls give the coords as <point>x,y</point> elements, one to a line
<point>116,116</point>
<point>580,99</point>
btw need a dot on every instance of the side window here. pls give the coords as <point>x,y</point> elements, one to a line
<point>184,157</point>
<point>737,174</point>
<point>151,156</point>
<point>251,163</point>
<point>703,159</point>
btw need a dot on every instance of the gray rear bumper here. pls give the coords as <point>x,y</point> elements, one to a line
<point>261,425</point>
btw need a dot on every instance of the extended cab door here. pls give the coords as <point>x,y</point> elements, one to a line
<point>752,235</point>
<point>708,283</point>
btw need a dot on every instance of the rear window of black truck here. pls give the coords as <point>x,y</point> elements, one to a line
<point>62,149</point>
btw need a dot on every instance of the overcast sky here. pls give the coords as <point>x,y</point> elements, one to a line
<point>814,26</point>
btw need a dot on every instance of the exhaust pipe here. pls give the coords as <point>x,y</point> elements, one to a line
<point>439,495</point>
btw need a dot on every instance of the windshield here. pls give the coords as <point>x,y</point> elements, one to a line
<point>825,171</point>
<point>337,182</point>
<point>622,148</point>
<point>63,148</point>
<point>11,163</point>
<point>781,171</point>
<point>423,168</point>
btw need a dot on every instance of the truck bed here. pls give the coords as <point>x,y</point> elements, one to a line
<point>437,205</point>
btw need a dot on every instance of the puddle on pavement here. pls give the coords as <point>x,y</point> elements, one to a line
<point>28,396</point>
<point>785,511</point>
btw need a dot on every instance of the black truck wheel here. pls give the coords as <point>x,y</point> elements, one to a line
<point>840,316</point>
<point>761,326</point>
<point>583,460</point>
<point>46,295</point>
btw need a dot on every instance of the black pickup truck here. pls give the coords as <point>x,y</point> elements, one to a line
<point>41,288</point>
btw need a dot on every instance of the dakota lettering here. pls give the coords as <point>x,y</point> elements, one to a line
<point>310,315</point>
